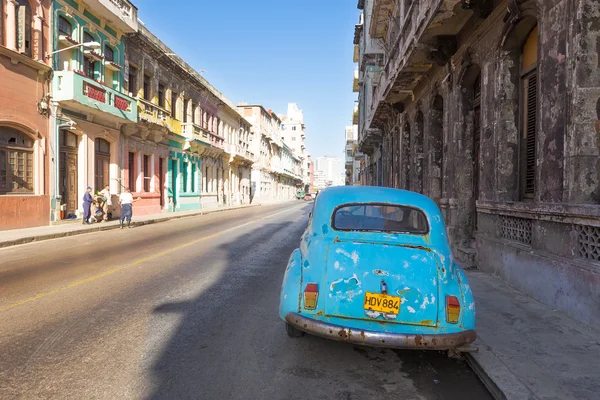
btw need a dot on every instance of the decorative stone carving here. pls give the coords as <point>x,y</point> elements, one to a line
<point>129,129</point>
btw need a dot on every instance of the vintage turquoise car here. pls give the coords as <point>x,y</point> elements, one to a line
<point>375,268</point>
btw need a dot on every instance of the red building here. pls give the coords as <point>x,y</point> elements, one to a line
<point>24,124</point>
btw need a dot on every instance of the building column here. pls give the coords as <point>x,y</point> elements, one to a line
<point>11,24</point>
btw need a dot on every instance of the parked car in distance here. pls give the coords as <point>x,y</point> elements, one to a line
<point>374,267</point>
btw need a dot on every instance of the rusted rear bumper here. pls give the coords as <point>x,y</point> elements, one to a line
<point>443,341</point>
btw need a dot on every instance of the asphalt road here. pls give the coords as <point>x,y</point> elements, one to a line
<point>186,309</point>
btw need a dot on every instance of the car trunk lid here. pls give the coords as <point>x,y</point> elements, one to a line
<point>374,281</point>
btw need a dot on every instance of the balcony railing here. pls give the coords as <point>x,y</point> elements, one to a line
<point>125,12</point>
<point>84,94</point>
<point>152,111</point>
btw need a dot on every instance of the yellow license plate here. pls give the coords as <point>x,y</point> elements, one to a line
<point>382,303</point>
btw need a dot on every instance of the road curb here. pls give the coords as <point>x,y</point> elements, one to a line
<point>114,225</point>
<point>496,376</point>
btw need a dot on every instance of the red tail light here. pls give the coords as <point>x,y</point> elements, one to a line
<point>452,309</point>
<point>311,294</point>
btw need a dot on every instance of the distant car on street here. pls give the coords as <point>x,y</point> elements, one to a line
<point>374,267</point>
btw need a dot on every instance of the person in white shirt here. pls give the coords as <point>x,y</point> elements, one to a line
<point>126,200</point>
<point>106,204</point>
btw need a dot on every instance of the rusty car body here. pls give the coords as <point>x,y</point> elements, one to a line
<point>374,267</point>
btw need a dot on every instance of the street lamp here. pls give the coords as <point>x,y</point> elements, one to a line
<point>91,45</point>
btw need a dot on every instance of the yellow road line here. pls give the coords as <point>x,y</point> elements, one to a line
<point>138,262</point>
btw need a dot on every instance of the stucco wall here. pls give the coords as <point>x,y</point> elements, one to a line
<point>24,211</point>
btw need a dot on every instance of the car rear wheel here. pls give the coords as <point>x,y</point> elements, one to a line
<point>292,331</point>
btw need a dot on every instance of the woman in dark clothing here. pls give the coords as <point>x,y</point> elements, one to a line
<point>87,205</point>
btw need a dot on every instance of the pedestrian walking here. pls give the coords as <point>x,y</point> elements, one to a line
<point>107,204</point>
<point>87,205</point>
<point>126,200</point>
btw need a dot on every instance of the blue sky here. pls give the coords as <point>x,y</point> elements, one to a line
<point>270,52</point>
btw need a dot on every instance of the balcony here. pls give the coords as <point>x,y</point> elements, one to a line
<point>355,85</point>
<point>195,131</point>
<point>422,36</point>
<point>120,13</point>
<point>83,94</point>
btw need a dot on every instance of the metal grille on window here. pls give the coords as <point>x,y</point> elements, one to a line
<point>588,242</point>
<point>515,229</point>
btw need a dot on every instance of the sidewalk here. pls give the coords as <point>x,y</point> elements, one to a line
<point>21,236</point>
<point>527,350</point>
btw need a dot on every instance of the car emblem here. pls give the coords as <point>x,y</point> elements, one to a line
<point>384,288</point>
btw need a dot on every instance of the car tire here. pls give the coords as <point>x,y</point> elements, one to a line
<point>292,331</point>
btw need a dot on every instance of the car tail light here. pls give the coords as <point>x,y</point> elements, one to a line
<point>311,294</point>
<point>452,309</point>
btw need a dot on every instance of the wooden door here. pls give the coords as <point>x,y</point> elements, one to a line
<point>68,181</point>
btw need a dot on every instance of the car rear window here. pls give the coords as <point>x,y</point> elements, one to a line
<point>380,218</point>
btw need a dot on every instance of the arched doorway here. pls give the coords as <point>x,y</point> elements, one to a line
<point>406,153</point>
<point>471,109</point>
<point>436,163</point>
<point>418,153</point>
<point>102,164</point>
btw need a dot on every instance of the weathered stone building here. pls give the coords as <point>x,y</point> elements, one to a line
<point>492,108</point>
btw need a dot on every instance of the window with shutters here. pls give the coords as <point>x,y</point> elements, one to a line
<point>23,27</point>
<point>109,53</point>
<point>89,65</point>
<point>529,114</point>
<point>147,176</point>
<point>102,155</point>
<point>16,162</point>
<point>64,26</point>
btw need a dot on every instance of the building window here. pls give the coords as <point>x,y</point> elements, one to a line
<point>89,65</point>
<point>529,111</point>
<point>16,162</point>
<point>186,104</point>
<point>194,117</point>
<point>64,27</point>
<point>133,80</point>
<point>147,87</point>
<point>174,104</point>
<point>206,181</point>
<point>109,53</point>
<point>161,95</point>
<point>184,181</point>
<point>102,174</point>
<point>193,178</point>
<point>147,173</point>
<point>131,171</point>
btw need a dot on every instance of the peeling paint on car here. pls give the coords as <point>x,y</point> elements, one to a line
<point>410,309</point>
<point>380,272</point>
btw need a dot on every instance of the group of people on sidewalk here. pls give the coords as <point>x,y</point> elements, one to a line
<point>103,203</point>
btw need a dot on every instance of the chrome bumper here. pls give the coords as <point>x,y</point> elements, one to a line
<point>442,341</point>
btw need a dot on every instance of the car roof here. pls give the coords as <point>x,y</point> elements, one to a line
<point>331,198</point>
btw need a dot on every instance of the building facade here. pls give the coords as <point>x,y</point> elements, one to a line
<point>90,105</point>
<point>329,171</point>
<point>294,134</point>
<point>25,153</point>
<point>190,148</point>
<point>491,108</point>
<point>353,156</point>
<point>276,172</point>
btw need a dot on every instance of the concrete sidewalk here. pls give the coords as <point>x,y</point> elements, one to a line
<point>529,351</point>
<point>21,236</point>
